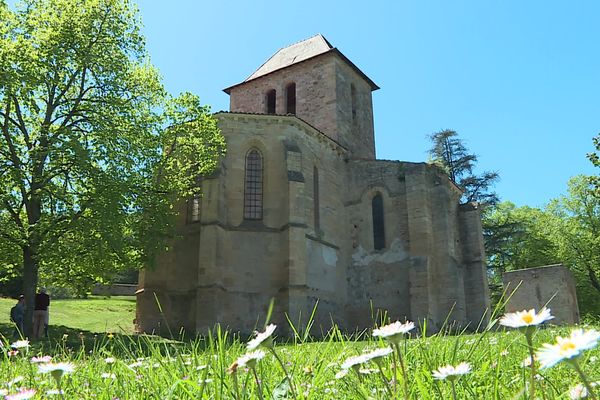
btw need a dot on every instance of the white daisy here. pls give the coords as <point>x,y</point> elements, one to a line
<point>521,319</point>
<point>451,372</point>
<point>135,364</point>
<point>65,368</point>
<point>395,331</point>
<point>578,392</point>
<point>354,361</point>
<point>568,347</point>
<point>21,395</point>
<point>109,360</point>
<point>16,380</point>
<point>107,375</point>
<point>250,359</point>
<point>527,361</point>
<point>377,354</point>
<point>57,370</point>
<point>262,339</point>
<point>20,344</point>
<point>43,359</point>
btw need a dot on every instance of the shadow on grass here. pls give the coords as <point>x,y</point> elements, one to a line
<point>64,340</point>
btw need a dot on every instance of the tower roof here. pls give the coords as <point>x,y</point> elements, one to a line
<point>298,52</point>
<point>293,54</point>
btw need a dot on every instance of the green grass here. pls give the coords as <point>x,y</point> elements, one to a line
<point>96,314</point>
<point>147,367</point>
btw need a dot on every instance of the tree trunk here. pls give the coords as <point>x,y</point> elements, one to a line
<point>30,280</point>
<point>593,278</point>
<point>31,261</point>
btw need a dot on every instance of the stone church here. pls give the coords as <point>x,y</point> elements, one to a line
<point>300,210</point>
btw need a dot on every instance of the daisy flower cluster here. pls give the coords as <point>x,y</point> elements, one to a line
<point>387,367</point>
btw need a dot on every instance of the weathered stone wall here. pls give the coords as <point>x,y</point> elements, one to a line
<point>354,124</point>
<point>552,286</point>
<point>316,237</point>
<point>315,93</point>
<point>170,285</point>
<point>432,205</point>
<point>315,242</point>
<point>475,276</point>
<point>115,289</point>
<point>427,273</point>
<point>323,99</point>
<point>285,255</point>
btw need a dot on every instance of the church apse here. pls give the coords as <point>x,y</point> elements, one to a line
<point>301,211</point>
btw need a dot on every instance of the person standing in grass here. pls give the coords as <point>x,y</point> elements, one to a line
<point>17,315</point>
<point>40,313</point>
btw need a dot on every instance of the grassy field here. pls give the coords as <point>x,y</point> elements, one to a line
<point>218,366</point>
<point>96,314</point>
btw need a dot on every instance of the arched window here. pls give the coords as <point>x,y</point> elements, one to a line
<point>290,95</point>
<point>271,101</point>
<point>378,227</point>
<point>353,99</point>
<point>253,186</point>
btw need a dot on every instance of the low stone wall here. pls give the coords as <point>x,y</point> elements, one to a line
<point>116,289</point>
<point>552,286</point>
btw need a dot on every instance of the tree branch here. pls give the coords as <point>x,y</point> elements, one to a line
<point>22,127</point>
<point>14,215</point>
<point>14,157</point>
<point>71,220</point>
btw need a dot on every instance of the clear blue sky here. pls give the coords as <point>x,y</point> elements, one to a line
<point>518,80</point>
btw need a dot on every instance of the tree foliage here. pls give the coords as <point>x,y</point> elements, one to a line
<point>88,169</point>
<point>566,231</point>
<point>594,157</point>
<point>513,240</point>
<point>576,229</point>
<point>449,153</point>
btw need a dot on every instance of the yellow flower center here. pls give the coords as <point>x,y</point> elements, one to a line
<point>566,346</point>
<point>527,318</point>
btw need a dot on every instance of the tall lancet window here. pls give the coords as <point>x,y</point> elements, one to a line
<point>253,186</point>
<point>378,227</point>
<point>290,94</point>
<point>271,101</point>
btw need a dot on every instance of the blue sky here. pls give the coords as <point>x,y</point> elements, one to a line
<point>519,81</point>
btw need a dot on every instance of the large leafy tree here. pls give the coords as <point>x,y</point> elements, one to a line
<point>450,153</point>
<point>514,239</point>
<point>88,171</point>
<point>576,229</point>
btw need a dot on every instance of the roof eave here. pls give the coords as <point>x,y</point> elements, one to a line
<point>334,50</point>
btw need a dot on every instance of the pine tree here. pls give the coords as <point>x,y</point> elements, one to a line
<point>450,154</point>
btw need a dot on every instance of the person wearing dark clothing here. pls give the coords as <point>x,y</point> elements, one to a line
<point>40,313</point>
<point>17,316</point>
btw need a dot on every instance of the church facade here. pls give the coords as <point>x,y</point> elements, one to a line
<point>301,211</point>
